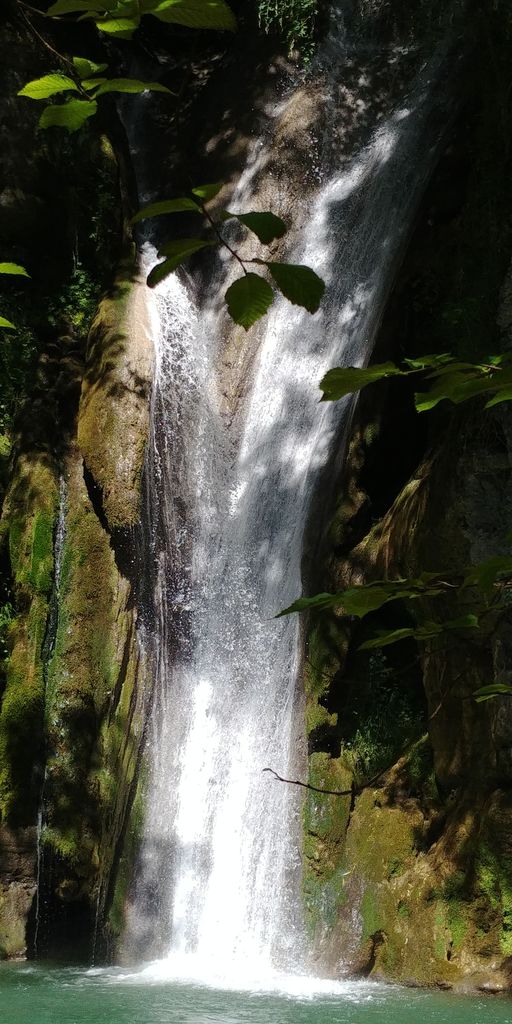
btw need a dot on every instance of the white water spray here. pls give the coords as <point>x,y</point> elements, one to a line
<point>219,880</point>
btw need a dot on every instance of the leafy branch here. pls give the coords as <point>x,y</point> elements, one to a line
<point>443,376</point>
<point>250,296</point>
<point>492,579</point>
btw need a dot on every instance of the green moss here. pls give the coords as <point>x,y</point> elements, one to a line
<point>370,915</point>
<point>494,877</point>
<point>457,923</point>
<point>29,516</point>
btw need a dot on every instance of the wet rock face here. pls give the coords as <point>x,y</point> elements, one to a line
<point>17,887</point>
<point>423,868</point>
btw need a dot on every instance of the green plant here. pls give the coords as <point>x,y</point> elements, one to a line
<point>77,301</point>
<point>293,19</point>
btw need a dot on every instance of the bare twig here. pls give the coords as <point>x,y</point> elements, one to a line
<point>40,37</point>
<point>223,242</point>
<point>354,791</point>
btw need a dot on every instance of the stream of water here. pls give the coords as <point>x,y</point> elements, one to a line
<point>218,891</point>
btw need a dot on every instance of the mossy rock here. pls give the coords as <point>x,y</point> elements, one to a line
<point>114,408</point>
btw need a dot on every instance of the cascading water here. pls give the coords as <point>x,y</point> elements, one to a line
<point>219,875</point>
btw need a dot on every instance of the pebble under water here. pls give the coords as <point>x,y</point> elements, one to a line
<point>32,994</point>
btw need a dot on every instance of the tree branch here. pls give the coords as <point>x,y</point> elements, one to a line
<point>354,791</point>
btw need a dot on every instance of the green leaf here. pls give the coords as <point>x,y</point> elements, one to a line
<point>131,85</point>
<point>382,638</point>
<point>211,14</point>
<point>423,362</point>
<point>6,324</point>
<point>460,386</point>
<point>502,396</point>
<point>319,601</point>
<point>48,85</point>
<point>86,68</point>
<point>266,226</point>
<point>485,574</point>
<point>361,600</point>
<point>122,28</point>
<point>74,6</point>
<point>298,284</point>
<point>248,299</point>
<point>354,601</point>
<point>492,690</point>
<point>13,268</point>
<point>425,631</point>
<point>92,83</point>
<point>70,115</point>
<point>207,192</point>
<point>176,252</point>
<point>342,381</point>
<point>166,206</point>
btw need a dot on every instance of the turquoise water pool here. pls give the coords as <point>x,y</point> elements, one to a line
<point>32,994</point>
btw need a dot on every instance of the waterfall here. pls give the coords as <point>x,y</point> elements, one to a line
<point>218,890</point>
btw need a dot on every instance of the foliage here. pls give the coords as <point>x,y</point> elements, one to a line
<point>17,271</point>
<point>250,297</point>
<point>293,19</point>
<point>386,727</point>
<point>362,600</point>
<point>77,300</point>
<point>121,18</point>
<point>491,579</point>
<point>444,376</point>
<point>73,113</point>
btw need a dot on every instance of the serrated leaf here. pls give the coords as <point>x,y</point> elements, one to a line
<point>70,115</point>
<point>74,6</point>
<point>176,252</point>
<point>266,226</point>
<point>6,324</point>
<point>342,381</point>
<point>209,14</point>
<point>181,205</point>
<point>122,28</point>
<point>131,85</point>
<point>13,268</point>
<point>48,85</point>
<point>248,299</point>
<point>207,192</point>
<point>492,690</point>
<point>298,284</point>
<point>86,68</point>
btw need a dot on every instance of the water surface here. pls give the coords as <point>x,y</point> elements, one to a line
<point>47,995</point>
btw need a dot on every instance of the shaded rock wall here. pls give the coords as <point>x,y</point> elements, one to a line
<point>409,879</point>
<point>73,689</point>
